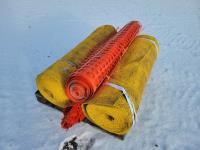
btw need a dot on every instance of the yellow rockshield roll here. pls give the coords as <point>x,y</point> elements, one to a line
<point>51,82</point>
<point>109,108</point>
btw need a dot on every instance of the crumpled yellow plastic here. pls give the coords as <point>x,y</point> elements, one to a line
<point>108,108</point>
<point>51,82</point>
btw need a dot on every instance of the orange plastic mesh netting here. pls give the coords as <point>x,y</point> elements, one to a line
<point>83,83</point>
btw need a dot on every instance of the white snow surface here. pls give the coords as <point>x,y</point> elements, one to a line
<point>34,34</point>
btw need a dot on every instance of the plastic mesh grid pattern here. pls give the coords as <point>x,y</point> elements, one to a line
<point>83,83</point>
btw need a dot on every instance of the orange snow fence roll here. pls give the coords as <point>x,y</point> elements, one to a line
<point>51,82</point>
<point>114,106</point>
<point>83,83</point>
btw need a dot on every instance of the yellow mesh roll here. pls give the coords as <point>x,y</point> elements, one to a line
<point>108,108</point>
<point>51,82</point>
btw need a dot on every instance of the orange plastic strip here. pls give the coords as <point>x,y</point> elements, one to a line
<point>72,115</point>
<point>83,83</point>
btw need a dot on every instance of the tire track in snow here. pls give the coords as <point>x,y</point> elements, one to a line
<point>169,37</point>
<point>179,40</point>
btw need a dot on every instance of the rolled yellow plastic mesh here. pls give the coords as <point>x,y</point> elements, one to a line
<point>108,108</point>
<point>51,82</point>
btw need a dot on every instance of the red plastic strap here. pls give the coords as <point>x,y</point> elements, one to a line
<point>72,115</point>
<point>84,82</point>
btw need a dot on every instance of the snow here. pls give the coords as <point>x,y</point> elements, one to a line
<point>34,34</point>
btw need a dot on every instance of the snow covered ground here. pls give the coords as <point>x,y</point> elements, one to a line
<point>34,34</point>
